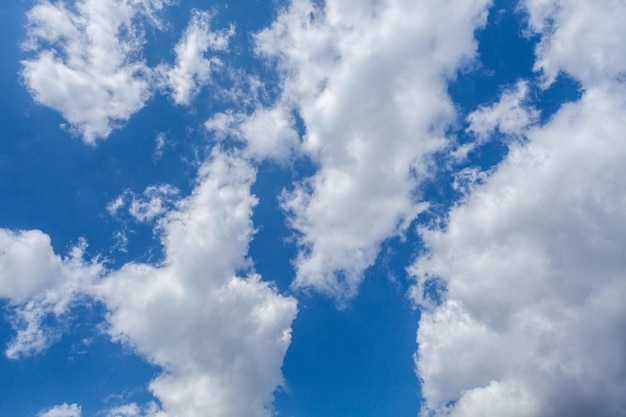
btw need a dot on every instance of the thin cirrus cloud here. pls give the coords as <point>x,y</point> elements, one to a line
<point>209,330</point>
<point>87,61</point>
<point>532,320</point>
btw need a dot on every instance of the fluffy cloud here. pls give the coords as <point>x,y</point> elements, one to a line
<point>219,338</point>
<point>39,284</point>
<point>584,39</point>
<point>269,133</point>
<point>369,82</point>
<point>510,116</point>
<point>155,201</point>
<point>534,269</point>
<point>86,62</point>
<point>532,321</point>
<point>192,70</point>
<point>63,410</point>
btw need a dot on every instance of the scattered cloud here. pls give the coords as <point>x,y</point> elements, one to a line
<point>220,338</point>
<point>160,142</point>
<point>193,69</point>
<point>510,115</point>
<point>86,61</point>
<point>268,133</point>
<point>116,205</point>
<point>63,410</point>
<point>528,266</point>
<point>39,284</point>
<point>153,203</point>
<point>208,329</point>
<point>369,82</point>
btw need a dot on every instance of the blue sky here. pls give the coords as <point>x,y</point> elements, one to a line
<point>307,208</point>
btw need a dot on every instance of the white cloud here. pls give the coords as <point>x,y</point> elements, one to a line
<point>153,203</point>
<point>193,70</point>
<point>534,266</point>
<point>584,39</point>
<point>116,205</point>
<point>87,61</point>
<point>38,283</point>
<point>267,132</point>
<point>510,115</point>
<point>369,81</point>
<point>63,410</point>
<point>219,338</point>
<point>133,410</point>
<point>532,322</point>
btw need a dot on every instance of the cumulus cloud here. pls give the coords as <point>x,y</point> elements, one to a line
<point>534,269</point>
<point>532,321</point>
<point>39,284</point>
<point>269,133</point>
<point>193,69</point>
<point>581,38</point>
<point>509,115</point>
<point>154,202</point>
<point>63,410</point>
<point>218,336</point>
<point>369,82</point>
<point>87,61</point>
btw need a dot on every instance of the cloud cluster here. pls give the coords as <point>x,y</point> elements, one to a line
<point>193,70</point>
<point>154,202</point>
<point>368,80</point>
<point>532,321</point>
<point>87,63</point>
<point>218,337</point>
<point>87,60</point>
<point>39,284</point>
